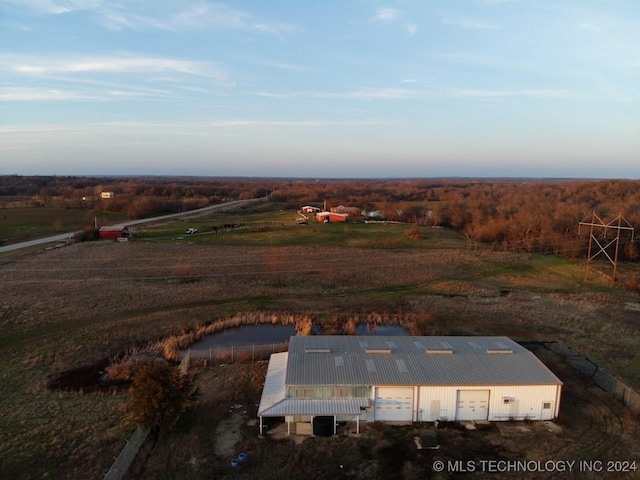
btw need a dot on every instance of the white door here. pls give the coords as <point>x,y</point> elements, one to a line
<point>472,405</point>
<point>394,404</point>
<point>547,411</point>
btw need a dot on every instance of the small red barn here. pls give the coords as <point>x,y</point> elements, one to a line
<point>113,233</point>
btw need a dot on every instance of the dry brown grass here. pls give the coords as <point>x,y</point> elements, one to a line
<point>79,305</point>
<point>172,347</point>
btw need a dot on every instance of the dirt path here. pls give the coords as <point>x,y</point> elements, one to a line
<point>228,432</point>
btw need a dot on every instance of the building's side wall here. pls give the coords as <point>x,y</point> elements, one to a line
<point>431,403</point>
<point>109,234</point>
<point>524,402</point>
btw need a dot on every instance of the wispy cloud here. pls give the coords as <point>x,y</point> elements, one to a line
<point>114,14</point>
<point>591,27</point>
<point>19,94</point>
<point>106,85</point>
<point>53,7</point>
<point>381,94</point>
<point>125,63</point>
<point>468,23</point>
<point>215,15</point>
<point>283,66</point>
<point>368,94</point>
<point>239,123</point>
<point>633,61</point>
<point>37,94</point>
<point>537,93</point>
<point>119,20</point>
<point>21,136</point>
<point>473,59</point>
<point>117,15</point>
<point>498,2</point>
<point>416,94</point>
<point>385,15</point>
<point>411,28</point>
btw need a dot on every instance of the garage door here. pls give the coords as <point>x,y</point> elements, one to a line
<point>394,404</point>
<point>472,405</point>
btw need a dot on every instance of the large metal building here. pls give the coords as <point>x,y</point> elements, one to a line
<point>407,379</point>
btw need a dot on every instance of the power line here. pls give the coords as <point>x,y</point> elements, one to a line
<point>598,223</point>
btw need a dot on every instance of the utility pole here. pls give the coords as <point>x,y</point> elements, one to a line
<point>598,224</point>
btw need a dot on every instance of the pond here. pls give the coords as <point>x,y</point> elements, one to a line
<point>365,329</point>
<point>267,334</point>
<point>247,335</point>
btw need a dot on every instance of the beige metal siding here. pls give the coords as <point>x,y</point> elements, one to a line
<point>525,402</point>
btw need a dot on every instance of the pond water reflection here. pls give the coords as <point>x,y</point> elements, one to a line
<point>246,335</point>
<point>267,334</point>
<point>388,330</point>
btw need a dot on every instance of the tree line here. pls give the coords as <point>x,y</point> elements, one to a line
<point>513,214</point>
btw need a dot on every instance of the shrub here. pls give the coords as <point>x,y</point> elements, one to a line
<point>88,234</point>
<point>159,396</point>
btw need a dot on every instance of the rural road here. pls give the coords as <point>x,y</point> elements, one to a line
<point>66,236</point>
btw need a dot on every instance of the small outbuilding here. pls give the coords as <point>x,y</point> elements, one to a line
<point>113,233</point>
<point>406,379</point>
<point>310,209</point>
<point>330,217</point>
<point>351,211</point>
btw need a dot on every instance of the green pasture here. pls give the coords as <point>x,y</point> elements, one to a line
<point>532,272</point>
<point>273,226</point>
<point>363,235</point>
<point>23,223</point>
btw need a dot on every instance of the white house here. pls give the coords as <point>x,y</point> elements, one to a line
<point>310,209</point>
<point>406,379</point>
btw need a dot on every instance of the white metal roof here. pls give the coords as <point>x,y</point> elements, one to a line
<point>274,390</point>
<point>406,360</point>
<point>274,404</point>
<point>300,406</point>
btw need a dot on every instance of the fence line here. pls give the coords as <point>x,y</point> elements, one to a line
<point>237,352</point>
<point>600,376</point>
<point>126,456</point>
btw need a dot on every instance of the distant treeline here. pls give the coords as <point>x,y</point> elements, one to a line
<point>512,214</point>
<point>137,197</point>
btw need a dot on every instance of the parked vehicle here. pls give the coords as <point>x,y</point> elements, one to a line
<point>192,230</point>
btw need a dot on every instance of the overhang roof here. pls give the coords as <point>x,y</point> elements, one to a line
<point>274,389</point>
<point>302,406</point>
<point>111,228</point>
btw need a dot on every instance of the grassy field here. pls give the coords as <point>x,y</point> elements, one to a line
<point>366,235</point>
<point>85,305</point>
<point>24,223</point>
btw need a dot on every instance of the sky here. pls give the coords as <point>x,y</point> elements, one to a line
<point>326,89</point>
